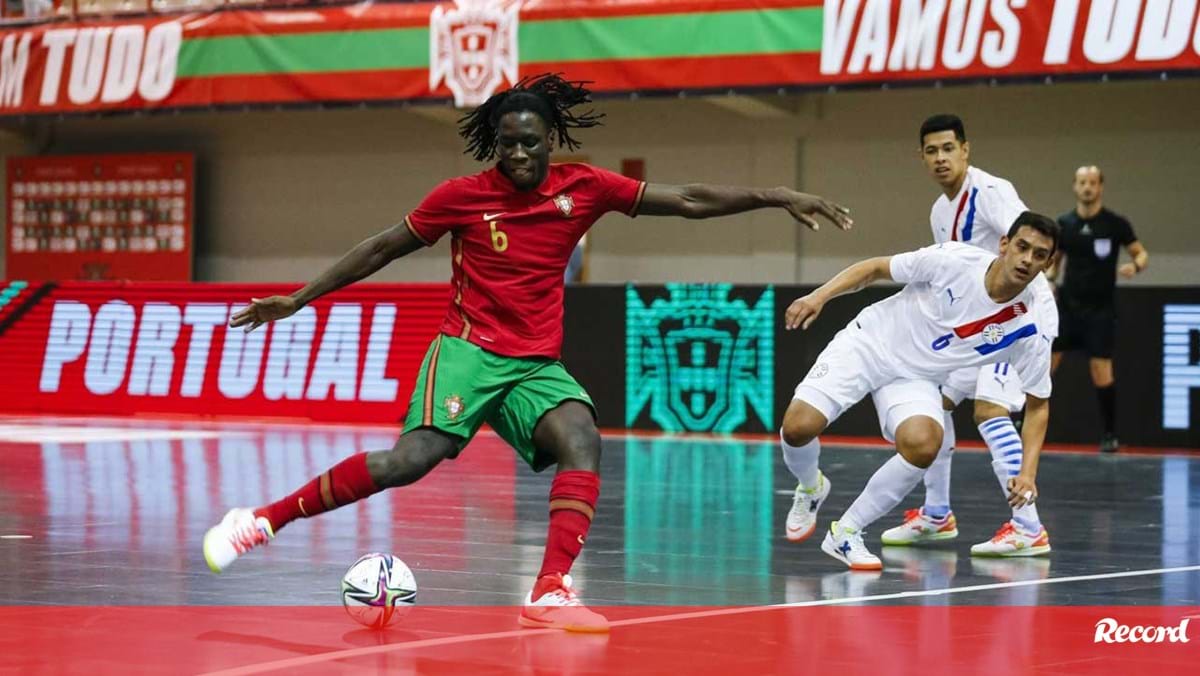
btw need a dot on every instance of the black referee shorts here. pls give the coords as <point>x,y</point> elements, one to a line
<point>1092,330</point>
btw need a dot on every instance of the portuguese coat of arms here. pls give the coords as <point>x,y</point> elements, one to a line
<point>473,48</point>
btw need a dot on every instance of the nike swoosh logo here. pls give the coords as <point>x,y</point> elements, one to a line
<point>580,538</point>
<point>492,217</point>
<point>301,505</point>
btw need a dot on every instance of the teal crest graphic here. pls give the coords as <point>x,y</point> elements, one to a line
<point>698,360</point>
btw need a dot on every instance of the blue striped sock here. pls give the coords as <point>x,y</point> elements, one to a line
<point>1004,443</point>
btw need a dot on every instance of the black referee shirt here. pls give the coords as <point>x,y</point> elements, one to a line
<point>1093,247</point>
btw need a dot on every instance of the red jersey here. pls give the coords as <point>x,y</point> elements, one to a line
<point>510,249</point>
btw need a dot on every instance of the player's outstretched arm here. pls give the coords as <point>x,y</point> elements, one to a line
<point>360,262</point>
<point>701,200</point>
<point>1022,489</point>
<point>803,311</point>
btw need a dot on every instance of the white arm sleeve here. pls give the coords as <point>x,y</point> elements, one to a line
<point>1047,308</point>
<point>921,265</point>
<point>1032,362</point>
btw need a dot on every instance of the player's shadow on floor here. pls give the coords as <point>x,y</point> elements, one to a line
<point>358,637</point>
<point>264,642</point>
<point>373,637</point>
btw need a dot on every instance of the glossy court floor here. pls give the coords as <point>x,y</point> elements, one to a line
<point>103,513</point>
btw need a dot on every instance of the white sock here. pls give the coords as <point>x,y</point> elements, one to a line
<point>802,461</point>
<point>937,477</point>
<point>1005,445</point>
<point>888,486</point>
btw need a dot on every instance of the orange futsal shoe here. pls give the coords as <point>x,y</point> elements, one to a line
<point>919,527</point>
<point>1012,540</point>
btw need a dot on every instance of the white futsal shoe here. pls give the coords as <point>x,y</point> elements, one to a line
<point>554,604</point>
<point>802,517</point>
<point>846,545</point>
<point>239,532</point>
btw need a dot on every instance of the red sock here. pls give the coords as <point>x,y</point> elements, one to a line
<point>346,482</point>
<point>573,497</point>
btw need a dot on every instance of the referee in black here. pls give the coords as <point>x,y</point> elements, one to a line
<point>1092,237</point>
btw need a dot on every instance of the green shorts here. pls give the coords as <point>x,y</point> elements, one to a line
<point>461,386</point>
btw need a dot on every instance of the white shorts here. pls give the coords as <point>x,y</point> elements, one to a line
<point>849,369</point>
<point>997,383</point>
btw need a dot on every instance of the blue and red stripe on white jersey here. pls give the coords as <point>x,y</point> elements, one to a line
<point>944,319</point>
<point>968,196</point>
<point>980,214</point>
<point>995,337</point>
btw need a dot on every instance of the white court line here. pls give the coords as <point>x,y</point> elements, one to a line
<point>276,665</point>
<point>16,537</point>
<point>39,434</point>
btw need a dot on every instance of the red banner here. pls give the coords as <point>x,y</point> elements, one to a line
<point>100,217</point>
<point>426,50</point>
<point>115,349</point>
<point>886,40</point>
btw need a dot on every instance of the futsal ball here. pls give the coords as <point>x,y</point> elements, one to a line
<point>377,589</point>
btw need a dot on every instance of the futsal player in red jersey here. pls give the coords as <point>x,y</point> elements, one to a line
<point>496,358</point>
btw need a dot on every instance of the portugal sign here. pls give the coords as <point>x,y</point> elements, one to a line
<point>166,348</point>
<point>469,49</point>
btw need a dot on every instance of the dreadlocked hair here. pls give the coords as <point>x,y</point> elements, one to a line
<point>548,95</point>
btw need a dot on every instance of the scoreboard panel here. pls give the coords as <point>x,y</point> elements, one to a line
<point>100,217</point>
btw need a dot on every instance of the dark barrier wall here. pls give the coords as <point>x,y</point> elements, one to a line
<point>710,357</point>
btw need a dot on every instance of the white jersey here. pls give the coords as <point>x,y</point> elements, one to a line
<point>944,320</point>
<point>980,214</point>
